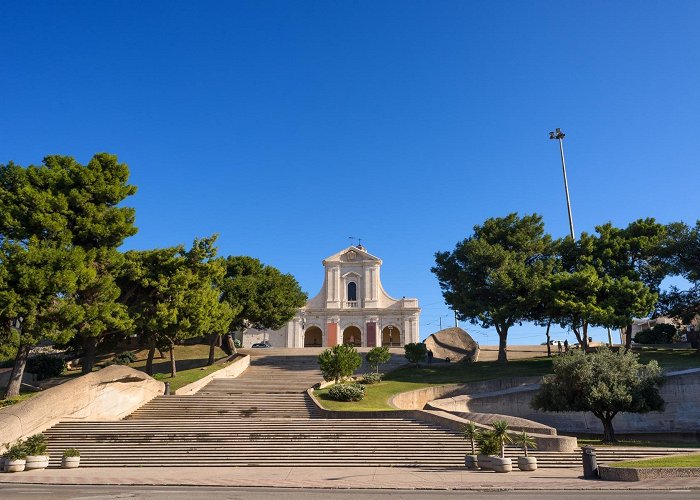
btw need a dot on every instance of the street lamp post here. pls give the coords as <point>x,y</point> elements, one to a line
<point>559,135</point>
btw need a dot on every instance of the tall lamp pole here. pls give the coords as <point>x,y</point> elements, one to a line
<point>559,135</point>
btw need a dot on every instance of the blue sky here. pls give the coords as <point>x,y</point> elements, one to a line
<point>288,126</point>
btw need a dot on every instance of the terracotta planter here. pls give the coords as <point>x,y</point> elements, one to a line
<point>484,461</point>
<point>70,462</point>
<point>471,462</point>
<point>15,465</point>
<point>527,463</point>
<point>37,462</point>
<point>501,464</point>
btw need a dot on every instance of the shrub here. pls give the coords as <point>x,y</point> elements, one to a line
<point>36,445</point>
<point>45,366</point>
<point>660,334</point>
<point>339,362</point>
<point>347,392</point>
<point>377,356</point>
<point>124,358</point>
<point>415,352</point>
<point>371,378</point>
<point>16,452</point>
<point>71,452</point>
<point>237,343</point>
<point>488,444</point>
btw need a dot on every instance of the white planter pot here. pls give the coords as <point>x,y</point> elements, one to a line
<point>484,461</point>
<point>527,463</point>
<point>471,462</point>
<point>15,465</point>
<point>501,464</point>
<point>37,462</point>
<point>70,462</point>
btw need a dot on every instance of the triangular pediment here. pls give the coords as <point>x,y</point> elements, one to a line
<point>352,254</point>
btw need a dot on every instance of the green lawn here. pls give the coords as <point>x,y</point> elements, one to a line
<point>21,397</point>
<point>408,379</point>
<point>672,461</point>
<point>635,443</point>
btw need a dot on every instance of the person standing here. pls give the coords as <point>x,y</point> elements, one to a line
<point>430,356</point>
<point>559,346</point>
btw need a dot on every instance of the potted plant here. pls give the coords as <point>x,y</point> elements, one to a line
<point>71,459</point>
<point>471,433</point>
<point>501,437</point>
<point>526,441</point>
<point>488,447</point>
<point>36,452</point>
<point>15,457</point>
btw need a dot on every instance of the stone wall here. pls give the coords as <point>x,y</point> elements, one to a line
<point>109,394</point>
<point>237,366</point>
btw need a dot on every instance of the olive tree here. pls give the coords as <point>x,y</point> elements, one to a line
<point>339,362</point>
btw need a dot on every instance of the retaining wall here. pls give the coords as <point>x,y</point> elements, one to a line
<point>238,365</point>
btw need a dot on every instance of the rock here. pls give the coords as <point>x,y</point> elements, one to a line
<point>454,344</point>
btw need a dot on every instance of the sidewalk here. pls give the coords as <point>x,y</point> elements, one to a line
<point>339,477</point>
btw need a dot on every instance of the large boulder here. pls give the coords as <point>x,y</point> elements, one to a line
<point>453,343</point>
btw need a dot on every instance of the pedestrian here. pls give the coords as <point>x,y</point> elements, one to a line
<point>559,346</point>
<point>430,356</point>
<point>566,346</point>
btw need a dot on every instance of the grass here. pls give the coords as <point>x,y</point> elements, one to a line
<point>635,443</point>
<point>672,461</point>
<point>409,379</point>
<point>10,401</point>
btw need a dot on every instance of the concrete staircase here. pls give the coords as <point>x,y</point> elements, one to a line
<point>265,418</point>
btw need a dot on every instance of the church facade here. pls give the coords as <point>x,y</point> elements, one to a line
<point>351,308</point>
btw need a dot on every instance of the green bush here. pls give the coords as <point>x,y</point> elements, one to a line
<point>377,356</point>
<point>488,444</point>
<point>124,358</point>
<point>17,451</point>
<point>347,392</point>
<point>660,334</point>
<point>415,352</point>
<point>71,452</point>
<point>36,445</point>
<point>339,362</point>
<point>45,366</point>
<point>371,378</point>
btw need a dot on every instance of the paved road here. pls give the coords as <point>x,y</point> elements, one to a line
<point>57,492</point>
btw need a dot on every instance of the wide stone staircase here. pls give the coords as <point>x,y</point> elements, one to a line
<point>265,418</point>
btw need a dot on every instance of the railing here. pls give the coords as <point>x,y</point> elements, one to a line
<point>352,304</point>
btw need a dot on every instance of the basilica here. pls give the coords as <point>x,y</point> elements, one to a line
<point>351,308</point>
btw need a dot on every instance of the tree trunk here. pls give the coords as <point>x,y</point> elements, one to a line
<point>214,341</point>
<point>502,345</point>
<point>549,347</point>
<point>15,382</point>
<point>231,345</point>
<point>608,431</point>
<point>149,360</point>
<point>173,368</point>
<point>585,336</point>
<point>610,342</point>
<point>88,360</point>
<point>628,337</point>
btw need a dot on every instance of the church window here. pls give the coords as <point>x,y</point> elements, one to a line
<point>352,291</point>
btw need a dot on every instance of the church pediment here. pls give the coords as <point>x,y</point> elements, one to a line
<point>352,254</point>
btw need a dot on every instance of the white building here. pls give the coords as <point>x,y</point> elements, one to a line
<point>351,308</point>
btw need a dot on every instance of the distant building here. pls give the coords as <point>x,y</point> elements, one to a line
<point>351,308</point>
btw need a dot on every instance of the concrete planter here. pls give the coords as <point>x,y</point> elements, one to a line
<point>37,462</point>
<point>70,462</point>
<point>499,464</point>
<point>484,461</point>
<point>471,462</point>
<point>15,465</point>
<point>527,463</point>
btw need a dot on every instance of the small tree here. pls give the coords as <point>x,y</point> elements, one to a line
<point>340,361</point>
<point>471,432</point>
<point>500,435</point>
<point>415,352</point>
<point>378,356</point>
<point>525,441</point>
<point>604,383</point>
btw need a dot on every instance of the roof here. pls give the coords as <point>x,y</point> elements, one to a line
<point>361,254</point>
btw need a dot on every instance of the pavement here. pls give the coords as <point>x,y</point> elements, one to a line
<point>377,478</point>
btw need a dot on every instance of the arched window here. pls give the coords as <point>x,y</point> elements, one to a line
<point>352,291</point>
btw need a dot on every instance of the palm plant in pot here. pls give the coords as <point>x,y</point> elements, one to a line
<point>15,457</point>
<point>36,446</point>
<point>501,437</point>
<point>526,441</point>
<point>471,432</point>
<point>488,447</point>
<point>71,459</point>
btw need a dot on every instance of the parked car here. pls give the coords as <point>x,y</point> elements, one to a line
<point>262,345</point>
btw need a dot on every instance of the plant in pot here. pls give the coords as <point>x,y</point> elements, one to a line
<point>488,447</point>
<point>501,437</point>
<point>36,452</point>
<point>471,432</point>
<point>71,459</point>
<point>526,441</point>
<point>15,457</point>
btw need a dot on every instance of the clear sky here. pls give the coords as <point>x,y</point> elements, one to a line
<point>288,126</point>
